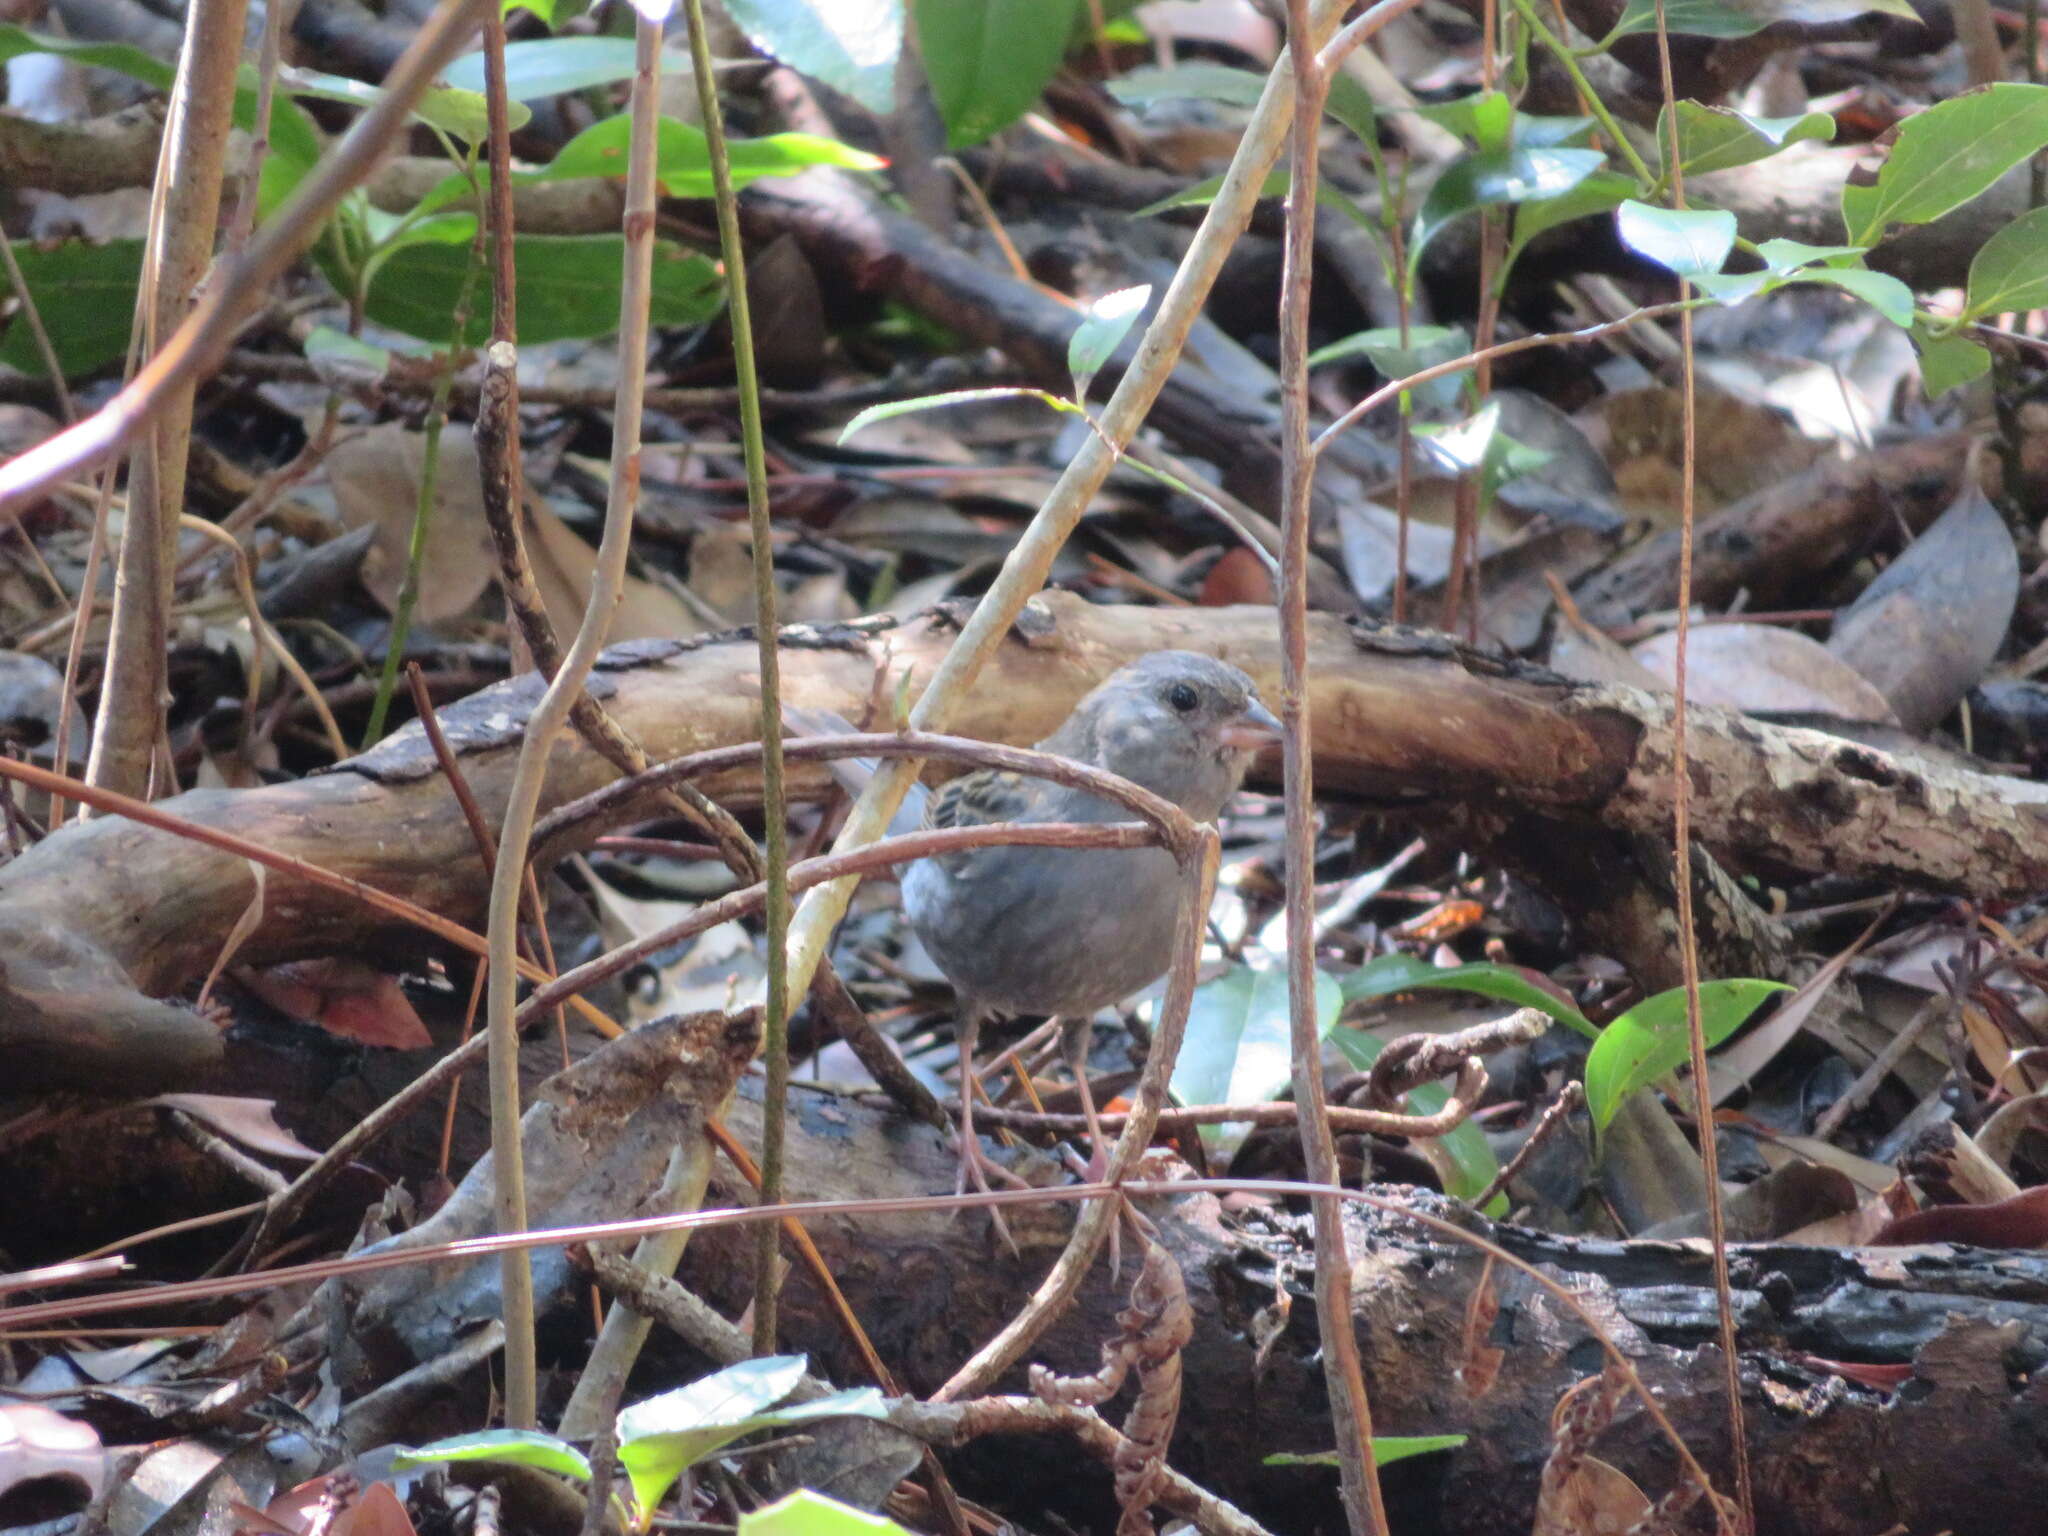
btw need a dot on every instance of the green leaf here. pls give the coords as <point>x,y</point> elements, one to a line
<point>568,286</point>
<point>503,1447</point>
<point>683,162</point>
<point>1880,290</point>
<point>1739,18</point>
<point>662,1437</point>
<point>1492,177</point>
<point>1386,1449</point>
<point>1427,346</point>
<point>808,1513</point>
<point>338,355</point>
<point>1719,138</point>
<point>462,113</point>
<point>988,61</point>
<point>1467,1164</point>
<point>1189,82</point>
<point>1477,445</point>
<point>1390,974</point>
<point>1202,193</point>
<point>554,66</point>
<point>889,408</point>
<point>1692,242</point>
<point>1947,362</point>
<point>850,45</point>
<point>1598,193</point>
<point>1947,155</point>
<point>1238,1048</point>
<point>1481,119</point>
<point>2010,270</point>
<point>1097,337</point>
<point>1651,1039</point>
<point>85,295</point>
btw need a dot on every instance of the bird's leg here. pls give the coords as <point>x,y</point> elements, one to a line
<point>1077,1035</point>
<point>975,1164</point>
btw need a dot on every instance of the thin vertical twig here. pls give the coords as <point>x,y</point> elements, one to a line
<point>1350,1407</point>
<point>552,713</point>
<point>1681,836</point>
<point>184,215</point>
<point>775,836</point>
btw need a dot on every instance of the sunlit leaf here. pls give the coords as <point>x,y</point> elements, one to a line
<point>1239,1047</point>
<point>504,1447</point>
<point>889,408</point>
<point>1651,1039</point>
<point>1097,337</point>
<point>1692,242</point>
<point>850,45</point>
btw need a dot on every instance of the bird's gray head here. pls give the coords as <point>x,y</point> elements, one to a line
<point>1180,724</point>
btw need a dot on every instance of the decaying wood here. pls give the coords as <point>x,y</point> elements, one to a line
<point>1954,1449</point>
<point>104,911</point>
<point>1771,544</point>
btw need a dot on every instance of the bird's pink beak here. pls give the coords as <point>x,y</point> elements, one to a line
<point>1253,730</point>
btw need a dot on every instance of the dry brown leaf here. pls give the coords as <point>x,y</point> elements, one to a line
<point>375,477</point>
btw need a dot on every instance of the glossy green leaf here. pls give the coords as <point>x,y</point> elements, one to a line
<point>1101,332</point>
<point>1386,1449</point>
<point>1720,138</point>
<point>1651,1039</point>
<point>1465,1159</point>
<point>1947,155</point>
<point>889,408</point>
<point>1239,1048</point>
<point>988,61</point>
<point>1497,177</point>
<point>2010,270</point>
<point>503,1447</point>
<point>850,45</point>
<point>683,163</point>
<point>1601,192</point>
<point>1692,242</point>
<point>809,1513</point>
<point>1391,974</point>
<point>568,286</point>
<point>1948,362</point>
<point>85,295</point>
<point>662,1437</point>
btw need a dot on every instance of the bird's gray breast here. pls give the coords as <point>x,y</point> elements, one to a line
<point>1047,930</point>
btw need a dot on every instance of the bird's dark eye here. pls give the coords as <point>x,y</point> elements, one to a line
<point>1182,696</point>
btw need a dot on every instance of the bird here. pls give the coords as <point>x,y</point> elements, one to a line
<point>1064,932</point>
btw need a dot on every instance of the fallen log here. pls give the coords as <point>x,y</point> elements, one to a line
<point>104,917</point>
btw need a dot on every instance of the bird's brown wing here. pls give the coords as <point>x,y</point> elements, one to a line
<point>979,799</point>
